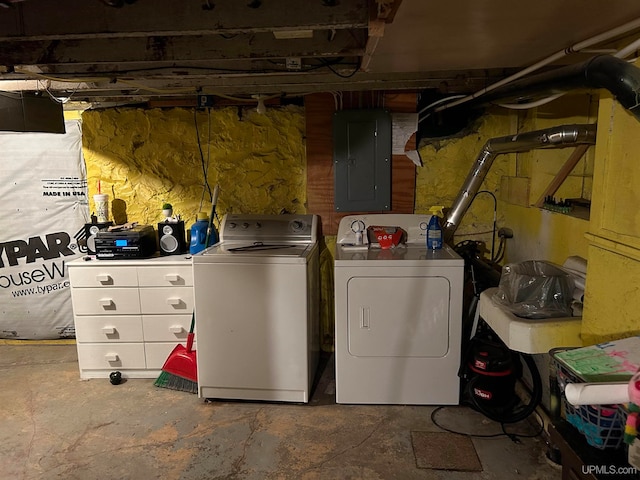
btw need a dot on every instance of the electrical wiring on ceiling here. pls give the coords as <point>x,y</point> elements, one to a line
<point>43,76</point>
<point>526,106</point>
<point>579,47</point>
<point>633,47</point>
<point>113,75</point>
<point>337,100</point>
<point>46,87</point>
<point>183,90</point>
<point>86,80</point>
<point>349,75</point>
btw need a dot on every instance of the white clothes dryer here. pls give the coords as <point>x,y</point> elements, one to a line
<point>398,315</point>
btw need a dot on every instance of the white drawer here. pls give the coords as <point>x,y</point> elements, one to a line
<point>108,328</point>
<point>166,300</point>
<point>166,328</point>
<point>158,353</point>
<point>110,301</point>
<point>113,356</point>
<point>103,275</point>
<point>167,276</point>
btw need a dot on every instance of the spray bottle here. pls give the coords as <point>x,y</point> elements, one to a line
<point>434,231</point>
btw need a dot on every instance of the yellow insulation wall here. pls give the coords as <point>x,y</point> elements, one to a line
<point>144,158</point>
<point>517,181</point>
<point>607,175</point>
<point>446,164</point>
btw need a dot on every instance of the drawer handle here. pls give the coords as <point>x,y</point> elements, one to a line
<point>106,303</point>
<point>108,330</point>
<point>103,278</point>
<point>172,277</point>
<point>111,357</point>
<point>174,302</point>
<point>176,329</point>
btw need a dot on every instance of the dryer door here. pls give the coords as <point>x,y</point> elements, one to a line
<point>398,316</point>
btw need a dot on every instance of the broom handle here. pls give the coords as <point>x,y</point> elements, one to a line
<point>214,201</point>
<point>191,334</point>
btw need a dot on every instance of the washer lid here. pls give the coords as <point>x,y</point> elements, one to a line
<point>246,252</point>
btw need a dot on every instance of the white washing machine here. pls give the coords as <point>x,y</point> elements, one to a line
<point>398,316</point>
<point>257,309</point>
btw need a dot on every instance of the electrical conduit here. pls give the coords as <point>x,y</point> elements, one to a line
<point>577,47</point>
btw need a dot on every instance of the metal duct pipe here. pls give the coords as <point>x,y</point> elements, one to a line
<point>555,137</point>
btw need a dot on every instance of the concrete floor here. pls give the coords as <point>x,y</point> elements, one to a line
<point>55,425</point>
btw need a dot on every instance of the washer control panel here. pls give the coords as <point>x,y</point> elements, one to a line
<point>255,227</point>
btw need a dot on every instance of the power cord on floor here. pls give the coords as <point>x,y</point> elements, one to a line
<point>514,437</point>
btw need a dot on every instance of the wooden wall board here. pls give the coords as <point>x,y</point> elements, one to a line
<point>319,110</point>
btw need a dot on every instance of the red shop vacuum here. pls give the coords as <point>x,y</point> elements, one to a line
<point>489,375</point>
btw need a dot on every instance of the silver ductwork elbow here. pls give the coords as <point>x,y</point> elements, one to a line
<point>555,137</point>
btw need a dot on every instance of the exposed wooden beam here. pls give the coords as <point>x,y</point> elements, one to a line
<point>563,173</point>
<point>178,49</point>
<point>73,19</point>
<point>386,9</point>
<point>376,32</point>
<point>103,86</point>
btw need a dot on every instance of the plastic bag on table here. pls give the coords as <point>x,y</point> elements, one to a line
<point>535,289</point>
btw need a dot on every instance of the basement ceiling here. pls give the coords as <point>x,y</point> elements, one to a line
<point>124,51</point>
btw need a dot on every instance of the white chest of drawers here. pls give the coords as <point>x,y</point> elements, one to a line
<point>130,314</point>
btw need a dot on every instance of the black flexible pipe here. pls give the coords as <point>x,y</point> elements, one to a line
<point>621,78</point>
<point>617,76</point>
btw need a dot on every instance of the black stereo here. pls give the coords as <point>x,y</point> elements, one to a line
<point>136,242</point>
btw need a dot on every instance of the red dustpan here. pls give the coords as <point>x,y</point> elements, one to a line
<point>180,371</point>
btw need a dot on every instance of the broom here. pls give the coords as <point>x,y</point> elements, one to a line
<point>210,227</point>
<point>179,371</point>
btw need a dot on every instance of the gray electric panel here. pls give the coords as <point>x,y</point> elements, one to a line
<point>362,160</point>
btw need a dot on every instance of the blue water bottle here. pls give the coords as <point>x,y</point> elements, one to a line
<point>434,231</point>
<point>199,234</point>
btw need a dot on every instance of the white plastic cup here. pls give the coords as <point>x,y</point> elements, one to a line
<point>101,200</point>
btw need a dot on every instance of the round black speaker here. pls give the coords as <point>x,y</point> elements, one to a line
<point>171,238</point>
<point>90,232</point>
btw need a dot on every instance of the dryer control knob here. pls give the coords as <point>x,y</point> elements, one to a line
<point>245,225</point>
<point>232,225</point>
<point>357,226</point>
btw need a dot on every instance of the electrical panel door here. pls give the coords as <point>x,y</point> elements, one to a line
<point>362,160</point>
